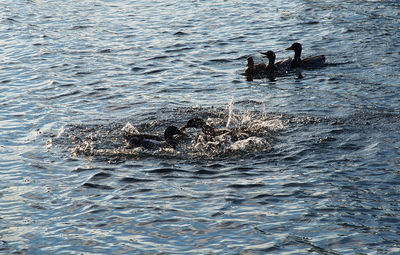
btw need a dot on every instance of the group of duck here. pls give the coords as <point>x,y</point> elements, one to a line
<point>173,135</point>
<point>272,70</point>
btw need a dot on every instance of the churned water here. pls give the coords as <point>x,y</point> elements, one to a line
<point>319,174</point>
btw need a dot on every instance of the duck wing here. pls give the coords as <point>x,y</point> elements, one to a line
<point>249,70</point>
<point>313,62</point>
<point>258,70</point>
<point>283,66</point>
<point>151,142</point>
<point>143,136</point>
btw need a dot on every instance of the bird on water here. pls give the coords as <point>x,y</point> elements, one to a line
<point>234,134</point>
<point>154,142</point>
<point>306,63</point>
<point>254,70</point>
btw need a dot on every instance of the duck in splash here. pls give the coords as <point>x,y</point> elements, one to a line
<point>153,142</point>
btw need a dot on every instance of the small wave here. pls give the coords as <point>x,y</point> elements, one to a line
<point>137,69</point>
<point>99,176</point>
<point>82,73</point>
<point>212,62</point>
<point>156,71</point>
<point>158,57</point>
<point>180,33</point>
<point>313,22</point>
<point>165,170</point>
<point>72,93</point>
<point>205,172</point>
<point>134,180</point>
<point>105,51</point>
<point>221,60</point>
<point>179,49</point>
<point>77,27</point>
<point>246,186</point>
<point>97,186</point>
<point>10,20</point>
<point>297,184</point>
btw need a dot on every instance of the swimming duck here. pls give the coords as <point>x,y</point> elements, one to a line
<point>275,69</point>
<point>254,69</point>
<point>153,142</point>
<point>235,134</point>
<point>280,67</point>
<point>307,63</point>
<point>205,128</point>
<point>271,70</point>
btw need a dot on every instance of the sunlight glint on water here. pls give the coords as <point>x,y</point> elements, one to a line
<point>317,174</point>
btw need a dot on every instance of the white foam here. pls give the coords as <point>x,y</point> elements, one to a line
<point>130,129</point>
<point>272,125</point>
<point>251,144</point>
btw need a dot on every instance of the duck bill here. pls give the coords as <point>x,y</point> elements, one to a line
<point>183,128</point>
<point>290,48</point>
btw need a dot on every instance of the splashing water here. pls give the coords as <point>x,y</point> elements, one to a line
<point>230,112</point>
<point>245,133</point>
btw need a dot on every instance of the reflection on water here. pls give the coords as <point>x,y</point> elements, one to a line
<point>317,174</point>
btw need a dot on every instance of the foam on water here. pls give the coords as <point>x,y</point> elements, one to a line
<point>317,171</point>
<point>106,140</point>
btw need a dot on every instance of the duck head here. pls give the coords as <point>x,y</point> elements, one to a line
<point>296,47</point>
<point>271,56</point>
<point>250,62</point>
<point>171,131</point>
<point>194,123</point>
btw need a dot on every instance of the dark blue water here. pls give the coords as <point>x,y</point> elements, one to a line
<point>320,174</point>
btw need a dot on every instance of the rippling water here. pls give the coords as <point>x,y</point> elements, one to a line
<point>324,178</point>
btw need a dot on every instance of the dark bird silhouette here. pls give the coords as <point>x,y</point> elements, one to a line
<point>255,70</point>
<point>275,69</point>
<point>306,63</point>
<point>153,142</point>
<point>235,134</point>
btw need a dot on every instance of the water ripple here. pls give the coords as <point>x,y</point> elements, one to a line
<point>325,179</point>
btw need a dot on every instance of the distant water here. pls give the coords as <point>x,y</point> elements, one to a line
<point>320,174</point>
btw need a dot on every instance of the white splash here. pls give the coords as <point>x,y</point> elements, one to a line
<point>130,129</point>
<point>251,144</point>
<point>266,125</point>
<point>257,130</point>
<point>230,113</point>
<point>60,132</point>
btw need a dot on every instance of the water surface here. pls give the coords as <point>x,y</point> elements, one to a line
<point>323,178</point>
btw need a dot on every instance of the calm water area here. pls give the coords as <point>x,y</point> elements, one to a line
<point>320,173</point>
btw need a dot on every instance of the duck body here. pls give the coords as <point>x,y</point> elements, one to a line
<point>313,62</point>
<point>271,69</point>
<point>305,63</point>
<point>283,66</point>
<point>254,70</point>
<point>275,69</point>
<point>205,128</point>
<point>153,142</point>
<point>234,134</point>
